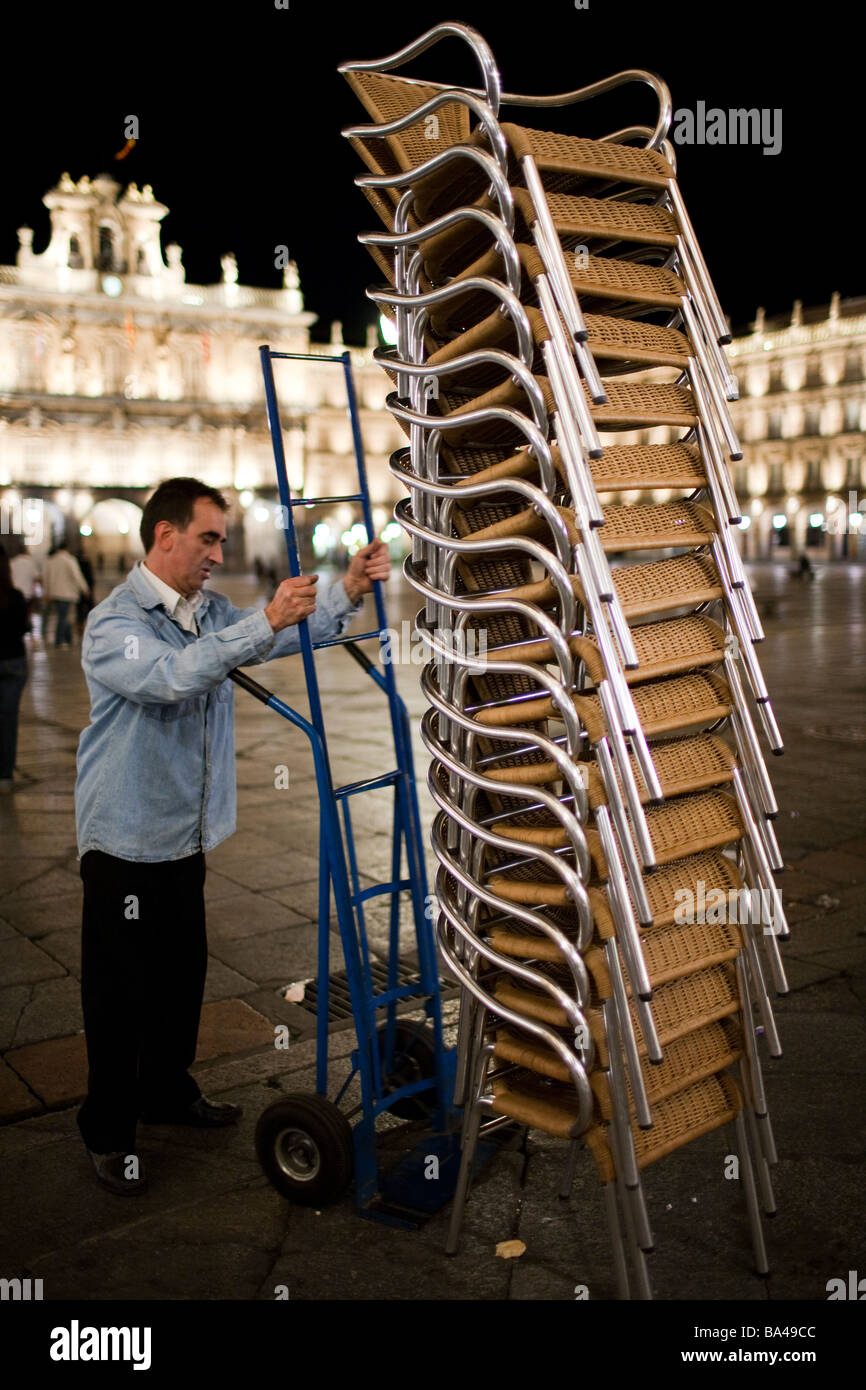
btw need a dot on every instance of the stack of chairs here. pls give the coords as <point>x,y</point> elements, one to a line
<point>595,695</point>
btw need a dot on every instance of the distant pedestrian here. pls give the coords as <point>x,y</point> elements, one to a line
<point>14,622</point>
<point>85,601</point>
<point>64,584</point>
<point>25,574</point>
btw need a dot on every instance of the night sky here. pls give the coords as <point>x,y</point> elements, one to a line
<point>240,110</point>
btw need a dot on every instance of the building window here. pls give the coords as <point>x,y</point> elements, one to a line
<point>774,484</point>
<point>774,424</point>
<point>812,423</point>
<point>813,476</point>
<point>813,372</point>
<point>105,257</point>
<point>76,260</point>
<point>852,417</point>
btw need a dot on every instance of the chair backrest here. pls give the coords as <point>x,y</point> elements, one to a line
<point>386,98</point>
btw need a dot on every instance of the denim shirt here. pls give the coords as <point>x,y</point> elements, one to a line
<point>156,765</point>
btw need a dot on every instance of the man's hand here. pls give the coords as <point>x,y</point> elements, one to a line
<point>294,600</point>
<point>370,564</point>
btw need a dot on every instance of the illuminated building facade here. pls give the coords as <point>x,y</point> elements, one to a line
<point>801,419</point>
<point>116,373</point>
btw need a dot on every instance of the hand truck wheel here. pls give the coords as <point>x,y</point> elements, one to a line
<point>414,1059</point>
<point>304,1144</point>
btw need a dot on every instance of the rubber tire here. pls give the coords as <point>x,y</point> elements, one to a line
<point>331,1137</point>
<point>415,1058</point>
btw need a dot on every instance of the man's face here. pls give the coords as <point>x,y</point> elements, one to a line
<point>190,555</point>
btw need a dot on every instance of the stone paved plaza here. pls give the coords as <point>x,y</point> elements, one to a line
<point>211,1227</point>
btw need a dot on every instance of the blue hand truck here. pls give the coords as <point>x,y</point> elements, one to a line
<point>305,1143</point>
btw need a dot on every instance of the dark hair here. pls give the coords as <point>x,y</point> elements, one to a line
<point>174,501</point>
<point>5,578</point>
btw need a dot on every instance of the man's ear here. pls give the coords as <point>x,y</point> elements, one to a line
<point>162,533</point>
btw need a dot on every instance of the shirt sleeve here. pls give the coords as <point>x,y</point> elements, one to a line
<point>332,615</point>
<point>126,655</point>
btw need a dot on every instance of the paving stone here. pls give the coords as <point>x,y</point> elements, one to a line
<point>16,1099</point>
<point>276,957</point>
<point>302,897</point>
<point>39,916</point>
<point>248,914</point>
<point>21,961</point>
<point>12,1000</point>
<point>51,882</point>
<point>63,946</point>
<point>223,983</point>
<point>55,1070</point>
<point>835,867</point>
<point>54,1011</point>
<point>16,876</point>
<point>230,1025</point>
<point>265,871</point>
<point>217,886</point>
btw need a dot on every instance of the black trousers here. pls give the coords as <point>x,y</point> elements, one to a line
<point>143,966</point>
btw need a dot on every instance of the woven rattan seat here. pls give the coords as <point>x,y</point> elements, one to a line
<point>690,1002</point>
<point>683,876</point>
<point>629,405</point>
<point>387,98</point>
<point>677,1121</point>
<point>686,825</point>
<point>666,524</point>
<point>662,706</point>
<point>673,952</point>
<point>666,705</point>
<point>689,824</point>
<point>663,648</point>
<point>604,217</point>
<point>683,766</point>
<point>577,219</point>
<point>660,526</point>
<point>522,944</point>
<point>661,585</point>
<point>525,1052</point>
<point>597,159</point>
<point>686,1060</point>
<point>679,1007</point>
<point>622,467</point>
<point>593,277</point>
<point>616,340</point>
<point>625,467</point>
<point>643,404</point>
<point>552,1111</point>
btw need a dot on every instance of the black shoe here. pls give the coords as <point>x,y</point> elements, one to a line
<point>202,1114</point>
<point>116,1172</point>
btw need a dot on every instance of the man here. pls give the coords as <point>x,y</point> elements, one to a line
<point>63,584</point>
<point>155,791</point>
